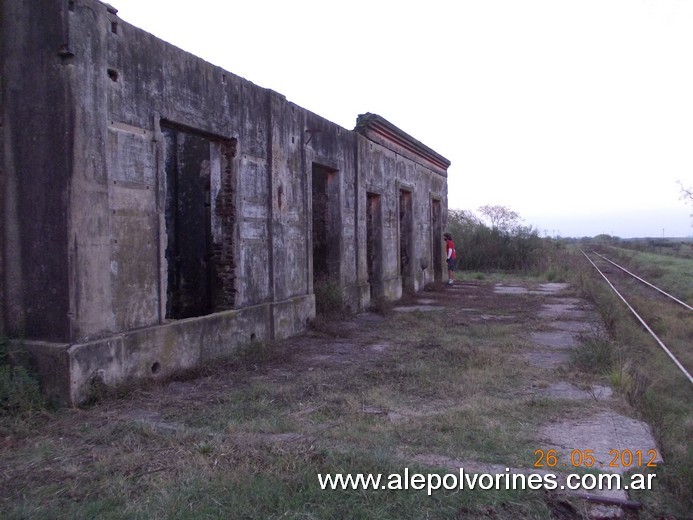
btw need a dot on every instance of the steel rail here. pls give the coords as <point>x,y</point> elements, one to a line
<point>647,327</point>
<point>645,282</point>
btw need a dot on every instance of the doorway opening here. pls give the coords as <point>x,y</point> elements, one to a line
<point>200,218</point>
<point>437,239</point>
<point>326,237</point>
<point>374,242</point>
<point>406,245</point>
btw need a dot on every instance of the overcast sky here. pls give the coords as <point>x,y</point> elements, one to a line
<point>577,114</point>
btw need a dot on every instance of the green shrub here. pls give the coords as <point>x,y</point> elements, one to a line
<point>482,248</point>
<point>19,390</point>
<point>596,353</point>
<point>328,297</point>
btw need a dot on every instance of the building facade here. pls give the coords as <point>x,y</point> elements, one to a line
<point>159,211</point>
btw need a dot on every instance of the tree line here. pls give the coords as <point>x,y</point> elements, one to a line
<point>494,238</point>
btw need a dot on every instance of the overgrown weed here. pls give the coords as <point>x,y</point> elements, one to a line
<point>20,391</point>
<point>329,299</point>
<point>596,352</point>
<point>383,306</point>
<point>649,381</point>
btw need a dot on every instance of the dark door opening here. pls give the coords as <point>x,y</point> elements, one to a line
<point>437,239</point>
<point>374,245</point>
<point>326,243</point>
<point>406,248</point>
<point>188,224</point>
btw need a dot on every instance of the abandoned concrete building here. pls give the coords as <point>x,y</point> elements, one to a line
<point>159,211</point>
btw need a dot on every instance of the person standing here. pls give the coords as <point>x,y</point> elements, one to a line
<point>451,256</point>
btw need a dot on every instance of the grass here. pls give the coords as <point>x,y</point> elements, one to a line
<point>329,300</point>
<point>643,373</point>
<point>140,472</point>
<point>248,437</point>
<point>668,272</point>
<point>597,353</point>
<point>19,388</point>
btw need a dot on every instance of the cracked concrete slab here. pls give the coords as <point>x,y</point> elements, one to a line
<point>419,308</point>
<point>542,289</point>
<point>572,326</point>
<point>368,318</point>
<point>567,300</point>
<point>565,390</point>
<point>555,339</point>
<point>549,360</point>
<point>607,434</point>
<point>510,289</point>
<point>472,467</point>
<point>553,287</point>
<point>566,311</point>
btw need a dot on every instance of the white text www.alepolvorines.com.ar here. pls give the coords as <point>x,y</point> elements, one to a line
<point>484,481</point>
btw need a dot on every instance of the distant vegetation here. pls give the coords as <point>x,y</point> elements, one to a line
<point>663,246</point>
<point>678,247</point>
<point>495,239</point>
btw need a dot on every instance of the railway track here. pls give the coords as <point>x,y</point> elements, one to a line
<point>619,279</point>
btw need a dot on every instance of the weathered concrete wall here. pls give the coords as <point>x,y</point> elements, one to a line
<point>3,176</point>
<point>401,163</point>
<point>37,165</point>
<point>158,210</point>
<point>332,147</point>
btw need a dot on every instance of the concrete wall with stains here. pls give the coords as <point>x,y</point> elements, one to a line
<point>158,210</point>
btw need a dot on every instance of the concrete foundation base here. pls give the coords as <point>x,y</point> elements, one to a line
<point>357,297</point>
<point>390,289</point>
<point>69,372</point>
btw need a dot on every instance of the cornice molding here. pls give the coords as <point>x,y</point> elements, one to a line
<point>381,131</point>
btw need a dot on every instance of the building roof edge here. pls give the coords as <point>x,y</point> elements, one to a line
<point>368,123</point>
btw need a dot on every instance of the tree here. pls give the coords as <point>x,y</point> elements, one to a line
<point>461,220</point>
<point>501,217</point>
<point>506,245</point>
<point>686,194</point>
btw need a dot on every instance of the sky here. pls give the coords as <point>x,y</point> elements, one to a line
<point>577,114</point>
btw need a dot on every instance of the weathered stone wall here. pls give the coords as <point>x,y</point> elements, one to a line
<point>158,210</point>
